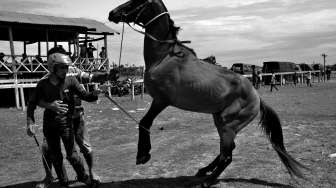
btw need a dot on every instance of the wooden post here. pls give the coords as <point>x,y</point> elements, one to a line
<point>47,40</point>
<point>142,89</point>
<point>77,45</point>
<point>143,82</point>
<point>96,88</point>
<point>39,48</point>
<point>11,43</point>
<point>69,47</point>
<point>324,67</point>
<point>22,98</point>
<point>24,47</point>
<point>132,91</point>
<point>105,45</point>
<point>281,77</point>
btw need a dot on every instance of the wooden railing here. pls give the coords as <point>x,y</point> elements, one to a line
<point>91,64</point>
<point>18,64</point>
<point>32,64</point>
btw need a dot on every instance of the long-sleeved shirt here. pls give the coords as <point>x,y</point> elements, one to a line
<point>65,91</point>
<point>84,78</point>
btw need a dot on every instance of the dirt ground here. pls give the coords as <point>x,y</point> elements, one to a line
<point>183,142</point>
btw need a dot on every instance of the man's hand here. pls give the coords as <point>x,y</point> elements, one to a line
<point>58,106</point>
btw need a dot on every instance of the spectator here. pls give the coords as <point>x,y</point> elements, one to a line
<point>90,50</point>
<point>83,50</point>
<point>254,77</point>
<point>309,77</point>
<point>273,82</point>
<point>2,55</point>
<point>259,79</point>
<point>295,78</point>
<point>328,72</point>
<point>102,53</point>
<point>24,58</point>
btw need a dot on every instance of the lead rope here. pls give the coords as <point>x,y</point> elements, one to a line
<point>129,115</point>
<point>113,101</point>
<point>121,43</point>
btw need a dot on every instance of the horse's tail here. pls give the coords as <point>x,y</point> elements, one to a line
<point>271,125</point>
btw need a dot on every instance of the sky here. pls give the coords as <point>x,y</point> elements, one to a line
<point>247,31</point>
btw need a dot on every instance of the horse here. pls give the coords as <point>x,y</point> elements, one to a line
<point>174,76</point>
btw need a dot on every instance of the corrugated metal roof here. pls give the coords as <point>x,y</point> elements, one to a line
<point>23,18</point>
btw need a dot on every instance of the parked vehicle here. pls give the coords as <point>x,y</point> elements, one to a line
<point>243,68</point>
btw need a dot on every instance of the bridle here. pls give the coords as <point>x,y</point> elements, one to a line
<point>142,7</point>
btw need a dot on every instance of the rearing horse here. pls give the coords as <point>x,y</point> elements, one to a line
<point>175,76</point>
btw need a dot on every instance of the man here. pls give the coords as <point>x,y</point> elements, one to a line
<point>309,77</point>
<point>80,131</point>
<point>102,53</point>
<point>2,55</point>
<point>58,125</point>
<point>273,82</point>
<point>90,50</point>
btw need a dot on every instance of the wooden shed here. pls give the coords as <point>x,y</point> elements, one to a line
<point>30,29</point>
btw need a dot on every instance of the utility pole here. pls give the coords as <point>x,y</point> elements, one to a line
<point>324,61</point>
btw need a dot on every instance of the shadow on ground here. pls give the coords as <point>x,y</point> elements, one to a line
<point>177,182</point>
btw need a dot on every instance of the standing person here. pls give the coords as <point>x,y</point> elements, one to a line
<point>59,89</point>
<point>273,82</point>
<point>309,77</point>
<point>295,78</point>
<point>102,53</point>
<point>260,80</point>
<point>2,55</point>
<point>80,131</point>
<point>83,51</point>
<point>254,77</point>
<point>328,72</point>
<point>90,50</point>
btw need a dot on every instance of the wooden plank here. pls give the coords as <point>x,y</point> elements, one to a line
<point>23,102</point>
<point>11,86</point>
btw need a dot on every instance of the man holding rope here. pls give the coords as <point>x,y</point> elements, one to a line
<point>81,136</point>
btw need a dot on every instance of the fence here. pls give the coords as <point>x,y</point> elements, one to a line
<point>317,76</point>
<point>38,64</point>
<point>14,71</point>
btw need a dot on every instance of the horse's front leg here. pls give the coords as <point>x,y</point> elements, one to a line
<point>144,143</point>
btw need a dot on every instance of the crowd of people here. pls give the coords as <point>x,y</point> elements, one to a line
<point>60,94</point>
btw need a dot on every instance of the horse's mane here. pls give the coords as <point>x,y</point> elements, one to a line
<point>174,29</point>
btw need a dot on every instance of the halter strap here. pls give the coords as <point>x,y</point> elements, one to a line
<point>172,41</point>
<point>156,17</point>
<point>143,8</point>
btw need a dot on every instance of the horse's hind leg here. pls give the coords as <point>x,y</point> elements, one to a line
<point>227,145</point>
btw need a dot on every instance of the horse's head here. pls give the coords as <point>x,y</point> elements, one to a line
<point>137,11</point>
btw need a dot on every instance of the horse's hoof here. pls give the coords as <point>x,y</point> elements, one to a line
<point>143,159</point>
<point>205,185</point>
<point>200,173</point>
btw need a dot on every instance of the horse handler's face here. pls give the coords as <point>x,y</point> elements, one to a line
<point>61,71</point>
